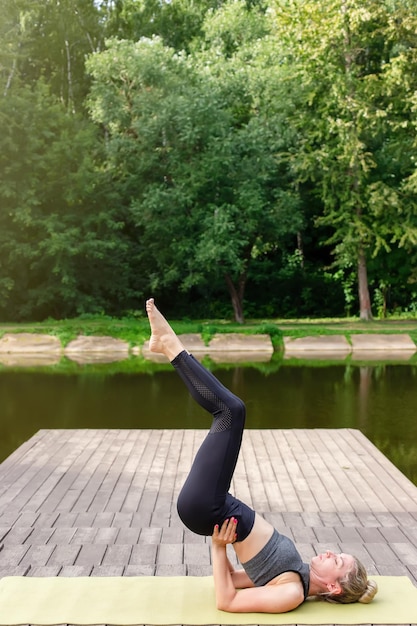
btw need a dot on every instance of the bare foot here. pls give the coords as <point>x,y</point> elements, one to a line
<point>163,338</point>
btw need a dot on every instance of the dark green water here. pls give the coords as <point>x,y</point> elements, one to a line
<point>380,400</point>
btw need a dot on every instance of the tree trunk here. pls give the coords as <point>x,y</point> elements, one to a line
<point>69,77</point>
<point>10,78</point>
<point>236,294</point>
<point>300,247</point>
<point>364,298</point>
<point>365,312</point>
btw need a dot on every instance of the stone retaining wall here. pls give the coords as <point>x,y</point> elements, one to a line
<point>46,349</point>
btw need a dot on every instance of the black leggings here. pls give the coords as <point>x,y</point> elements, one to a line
<point>205,499</point>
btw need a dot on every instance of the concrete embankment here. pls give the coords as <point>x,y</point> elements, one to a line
<point>40,349</point>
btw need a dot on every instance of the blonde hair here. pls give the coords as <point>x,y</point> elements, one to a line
<point>356,587</point>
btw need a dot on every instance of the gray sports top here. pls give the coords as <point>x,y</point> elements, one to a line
<point>279,555</point>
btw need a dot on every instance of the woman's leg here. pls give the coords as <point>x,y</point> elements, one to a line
<point>204,499</point>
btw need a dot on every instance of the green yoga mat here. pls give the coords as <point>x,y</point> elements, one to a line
<point>125,601</point>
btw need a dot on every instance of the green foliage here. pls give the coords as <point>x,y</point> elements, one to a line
<point>359,101</point>
<point>232,27</point>
<point>227,152</point>
<point>276,334</point>
<point>49,39</point>
<point>61,245</point>
<point>197,158</point>
<point>177,22</point>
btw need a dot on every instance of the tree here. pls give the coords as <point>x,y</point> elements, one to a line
<point>180,24</point>
<point>343,57</point>
<point>49,40</point>
<point>62,250</point>
<point>195,153</point>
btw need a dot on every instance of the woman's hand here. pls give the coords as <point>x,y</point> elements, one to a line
<point>226,534</point>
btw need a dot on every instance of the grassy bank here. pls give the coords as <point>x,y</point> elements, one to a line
<point>136,331</point>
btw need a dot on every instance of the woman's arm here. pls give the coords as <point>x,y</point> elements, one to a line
<point>241,580</point>
<point>222,572</point>
<point>239,577</point>
<point>268,599</point>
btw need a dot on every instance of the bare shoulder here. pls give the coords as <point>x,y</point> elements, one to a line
<point>275,598</point>
<point>285,578</point>
<point>290,584</point>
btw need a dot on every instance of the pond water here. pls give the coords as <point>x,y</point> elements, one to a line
<point>380,400</point>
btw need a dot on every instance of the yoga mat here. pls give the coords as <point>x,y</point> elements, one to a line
<point>125,601</point>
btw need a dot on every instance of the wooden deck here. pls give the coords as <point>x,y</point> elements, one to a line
<point>102,502</point>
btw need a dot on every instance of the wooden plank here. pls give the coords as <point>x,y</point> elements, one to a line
<point>320,494</point>
<point>90,554</point>
<point>75,570</point>
<point>147,477</point>
<point>16,462</point>
<point>11,556</point>
<point>111,492</point>
<point>329,447</point>
<point>314,466</point>
<point>145,554</point>
<point>135,461</point>
<point>117,555</point>
<point>294,464</point>
<point>123,520</point>
<point>150,535</point>
<point>259,499</point>
<point>167,493</point>
<point>240,484</point>
<point>165,463</point>
<point>283,471</point>
<point>128,536</point>
<point>39,536</point>
<point>17,535</point>
<point>382,474</point>
<point>264,461</point>
<point>64,555</point>
<point>27,518</point>
<point>35,470</point>
<point>37,555</point>
<point>406,553</point>
<point>103,520</point>
<point>84,535</point>
<point>170,554</point>
<point>65,520</point>
<point>106,536</point>
<point>95,471</point>
<point>107,570</point>
<point>62,536</point>
<point>44,571</point>
<point>63,495</point>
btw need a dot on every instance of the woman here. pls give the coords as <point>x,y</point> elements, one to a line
<point>274,578</point>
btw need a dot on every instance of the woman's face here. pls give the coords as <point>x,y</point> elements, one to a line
<point>330,567</point>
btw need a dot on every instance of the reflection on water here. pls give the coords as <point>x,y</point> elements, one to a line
<point>380,400</point>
